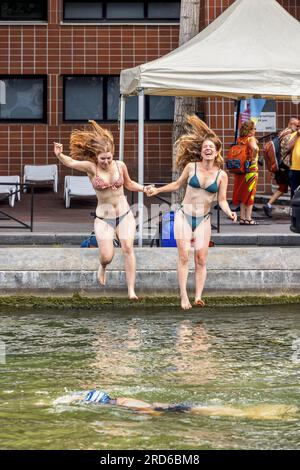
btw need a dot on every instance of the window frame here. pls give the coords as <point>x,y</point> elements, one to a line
<point>44,19</point>
<point>129,19</point>
<point>105,79</point>
<point>44,119</point>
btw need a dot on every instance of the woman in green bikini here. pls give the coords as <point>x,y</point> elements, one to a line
<point>199,156</point>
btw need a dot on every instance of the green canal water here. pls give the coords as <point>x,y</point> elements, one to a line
<point>238,357</point>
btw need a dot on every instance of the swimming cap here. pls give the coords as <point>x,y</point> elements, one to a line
<point>96,396</point>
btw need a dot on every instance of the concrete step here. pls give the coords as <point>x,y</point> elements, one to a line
<point>231,271</point>
<point>75,239</point>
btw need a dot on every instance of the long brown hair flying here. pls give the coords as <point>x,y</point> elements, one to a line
<point>87,144</point>
<point>189,145</point>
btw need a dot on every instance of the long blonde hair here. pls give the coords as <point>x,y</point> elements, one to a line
<point>246,128</point>
<point>87,144</point>
<point>189,145</point>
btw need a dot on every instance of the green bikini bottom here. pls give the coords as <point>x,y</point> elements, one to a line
<point>194,221</point>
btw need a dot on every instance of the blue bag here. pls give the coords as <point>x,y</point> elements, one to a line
<point>89,242</point>
<point>167,230</point>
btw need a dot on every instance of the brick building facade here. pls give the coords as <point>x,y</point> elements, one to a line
<point>58,43</point>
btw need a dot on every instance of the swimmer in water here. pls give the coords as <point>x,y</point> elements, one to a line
<point>99,397</point>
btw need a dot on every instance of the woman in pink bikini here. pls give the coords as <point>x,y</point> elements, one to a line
<point>92,153</point>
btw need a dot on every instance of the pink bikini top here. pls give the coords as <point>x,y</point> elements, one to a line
<point>99,184</point>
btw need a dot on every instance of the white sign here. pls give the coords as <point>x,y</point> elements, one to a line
<point>266,122</point>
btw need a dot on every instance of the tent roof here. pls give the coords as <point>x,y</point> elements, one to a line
<point>251,50</point>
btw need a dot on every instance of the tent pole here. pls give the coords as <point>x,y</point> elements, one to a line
<point>238,112</point>
<point>122,127</point>
<point>141,166</point>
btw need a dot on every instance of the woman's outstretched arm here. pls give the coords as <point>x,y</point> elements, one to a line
<point>85,166</point>
<point>174,186</point>
<point>128,182</point>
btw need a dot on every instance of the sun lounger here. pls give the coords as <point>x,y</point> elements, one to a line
<point>77,186</point>
<point>10,188</point>
<point>41,174</point>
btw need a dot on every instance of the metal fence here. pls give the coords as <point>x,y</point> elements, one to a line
<point>20,187</point>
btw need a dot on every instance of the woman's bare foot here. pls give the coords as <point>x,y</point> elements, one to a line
<point>102,275</point>
<point>185,303</point>
<point>199,302</point>
<point>132,296</point>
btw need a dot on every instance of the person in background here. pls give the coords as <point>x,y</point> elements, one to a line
<point>282,175</point>
<point>245,185</point>
<point>294,148</point>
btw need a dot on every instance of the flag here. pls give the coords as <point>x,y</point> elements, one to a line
<point>251,110</point>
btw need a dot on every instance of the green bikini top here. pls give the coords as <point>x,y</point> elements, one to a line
<point>195,183</point>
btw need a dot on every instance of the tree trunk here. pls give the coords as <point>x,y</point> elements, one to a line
<point>189,27</point>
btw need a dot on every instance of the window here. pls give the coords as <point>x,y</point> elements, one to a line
<point>117,11</point>
<point>24,99</point>
<point>158,10</point>
<point>113,93</point>
<point>97,97</point>
<point>23,10</point>
<point>83,98</point>
<point>90,11</point>
<point>161,108</point>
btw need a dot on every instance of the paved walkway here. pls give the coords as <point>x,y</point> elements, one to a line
<point>54,223</point>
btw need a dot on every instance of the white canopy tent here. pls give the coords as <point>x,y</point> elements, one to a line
<point>251,50</point>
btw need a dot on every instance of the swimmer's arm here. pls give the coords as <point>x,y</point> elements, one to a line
<point>78,399</point>
<point>132,403</point>
<point>137,405</point>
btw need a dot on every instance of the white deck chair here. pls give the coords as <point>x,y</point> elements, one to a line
<point>41,174</point>
<point>10,188</point>
<point>77,186</point>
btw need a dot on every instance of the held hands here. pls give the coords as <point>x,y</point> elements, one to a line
<point>150,190</point>
<point>58,149</point>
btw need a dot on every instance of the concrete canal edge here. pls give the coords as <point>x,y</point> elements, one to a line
<point>67,277</point>
<point>77,302</point>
